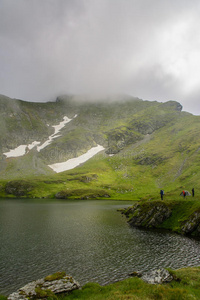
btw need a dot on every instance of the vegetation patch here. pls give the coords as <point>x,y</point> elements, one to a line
<point>44,294</point>
<point>19,188</point>
<point>82,194</point>
<point>121,137</point>
<point>84,178</point>
<point>55,276</point>
<point>152,159</point>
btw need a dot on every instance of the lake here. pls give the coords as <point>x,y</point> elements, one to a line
<point>90,240</point>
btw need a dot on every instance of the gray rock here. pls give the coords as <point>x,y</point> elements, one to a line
<point>148,215</point>
<point>29,291</point>
<point>157,276</point>
<point>62,285</point>
<point>192,223</point>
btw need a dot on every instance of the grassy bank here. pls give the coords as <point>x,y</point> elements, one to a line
<point>185,285</point>
<point>115,176</point>
<point>180,215</point>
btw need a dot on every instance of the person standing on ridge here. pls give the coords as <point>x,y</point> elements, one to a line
<point>161,194</point>
<point>193,192</point>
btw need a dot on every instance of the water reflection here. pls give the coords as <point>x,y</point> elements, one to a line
<point>90,240</point>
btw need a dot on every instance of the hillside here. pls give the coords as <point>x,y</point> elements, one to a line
<point>140,147</point>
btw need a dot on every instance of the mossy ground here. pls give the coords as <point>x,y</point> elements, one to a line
<point>55,276</point>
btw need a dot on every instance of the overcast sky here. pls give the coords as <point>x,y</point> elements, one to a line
<point>146,48</point>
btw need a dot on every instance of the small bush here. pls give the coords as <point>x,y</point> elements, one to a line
<point>55,276</point>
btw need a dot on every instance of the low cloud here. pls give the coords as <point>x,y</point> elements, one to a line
<point>149,49</point>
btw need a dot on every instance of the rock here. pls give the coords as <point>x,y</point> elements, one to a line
<point>192,223</point>
<point>46,287</point>
<point>148,215</point>
<point>157,276</point>
<point>136,274</point>
<point>18,187</point>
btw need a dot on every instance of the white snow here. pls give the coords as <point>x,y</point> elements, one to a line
<point>54,135</point>
<point>62,124</point>
<point>74,162</point>
<point>19,151</point>
<point>31,146</point>
<point>23,149</point>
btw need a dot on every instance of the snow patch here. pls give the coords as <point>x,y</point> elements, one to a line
<point>31,146</point>
<point>62,124</point>
<point>74,162</point>
<point>19,151</point>
<point>23,149</point>
<point>54,135</point>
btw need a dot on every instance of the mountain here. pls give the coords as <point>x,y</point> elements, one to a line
<point>119,147</point>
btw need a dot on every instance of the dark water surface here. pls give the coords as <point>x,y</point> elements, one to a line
<point>89,240</point>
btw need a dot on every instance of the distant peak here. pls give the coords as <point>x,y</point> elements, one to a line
<point>172,103</point>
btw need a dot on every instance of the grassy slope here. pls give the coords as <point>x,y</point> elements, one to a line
<point>165,156</point>
<point>181,209</point>
<point>169,159</point>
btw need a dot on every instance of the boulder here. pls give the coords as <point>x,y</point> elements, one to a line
<point>157,276</point>
<point>46,287</point>
<point>192,224</point>
<point>149,215</point>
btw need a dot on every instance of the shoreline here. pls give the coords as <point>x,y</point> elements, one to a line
<point>182,284</point>
<point>182,217</point>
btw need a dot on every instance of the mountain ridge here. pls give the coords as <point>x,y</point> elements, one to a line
<point>132,133</point>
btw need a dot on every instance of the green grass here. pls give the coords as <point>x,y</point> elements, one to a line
<point>168,158</point>
<point>185,286</point>
<point>181,209</point>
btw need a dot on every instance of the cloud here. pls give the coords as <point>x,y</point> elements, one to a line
<point>149,49</point>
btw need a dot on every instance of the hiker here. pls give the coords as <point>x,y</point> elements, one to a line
<point>161,194</point>
<point>193,192</point>
<point>184,194</point>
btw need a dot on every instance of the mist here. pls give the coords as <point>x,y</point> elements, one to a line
<point>147,49</point>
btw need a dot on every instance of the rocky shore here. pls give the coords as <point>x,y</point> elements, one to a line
<point>57,283</point>
<point>182,217</point>
<point>60,283</point>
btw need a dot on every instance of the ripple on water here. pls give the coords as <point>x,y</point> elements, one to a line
<point>89,240</point>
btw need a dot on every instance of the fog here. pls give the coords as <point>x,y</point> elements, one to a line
<point>147,49</point>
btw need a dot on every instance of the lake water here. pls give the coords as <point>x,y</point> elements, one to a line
<point>89,240</point>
